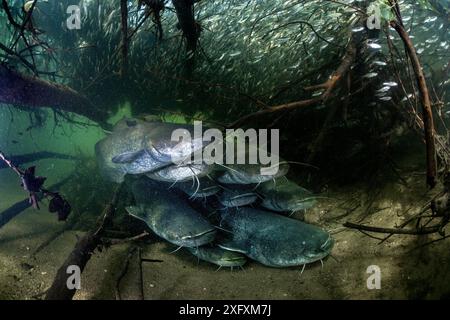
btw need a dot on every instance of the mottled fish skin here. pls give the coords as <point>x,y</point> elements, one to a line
<point>219,256</point>
<point>207,188</point>
<point>180,173</point>
<point>158,142</point>
<point>108,170</point>
<point>274,240</point>
<point>136,146</point>
<point>249,174</point>
<point>126,140</point>
<point>169,216</point>
<point>237,197</point>
<point>283,195</point>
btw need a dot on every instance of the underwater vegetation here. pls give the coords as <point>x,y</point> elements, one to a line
<point>354,95</point>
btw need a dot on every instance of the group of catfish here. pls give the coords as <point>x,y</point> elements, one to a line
<point>220,213</point>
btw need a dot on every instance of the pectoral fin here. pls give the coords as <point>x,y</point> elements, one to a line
<point>160,156</point>
<point>128,157</point>
<point>136,212</point>
<point>232,245</point>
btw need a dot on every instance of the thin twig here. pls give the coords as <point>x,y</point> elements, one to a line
<point>419,231</point>
<point>124,272</point>
<point>110,242</point>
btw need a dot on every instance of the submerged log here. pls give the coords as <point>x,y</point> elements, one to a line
<point>27,91</point>
<point>82,252</point>
<point>14,211</point>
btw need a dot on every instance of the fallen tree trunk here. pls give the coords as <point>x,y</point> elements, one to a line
<point>27,91</point>
<point>82,253</point>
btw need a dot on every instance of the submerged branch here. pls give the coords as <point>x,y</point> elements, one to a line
<point>11,20</point>
<point>82,252</point>
<point>124,41</point>
<point>419,231</point>
<point>124,271</point>
<point>440,209</point>
<point>281,107</point>
<point>19,207</point>
<point>187,23</point>
<point>191,30</point>
<point>112,241</point>
<point>328,87</point>
<point>27,91</point>
<point>427,113</point>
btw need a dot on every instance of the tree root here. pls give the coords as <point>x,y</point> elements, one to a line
<point>440,209</point>
<point>427,114</point>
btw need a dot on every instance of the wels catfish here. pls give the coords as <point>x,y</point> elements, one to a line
<point>123,152</point>
<point>219,256</point>
<point>180,173</point>
<point>169,216</point>
<point>205,187</point>
<point>246,167</point>
<point>283,195</point>
<point>137,147</point>
<point>272,239</point>
<point>250,173</point>
<point>236,196</point>
<point>161,146</point>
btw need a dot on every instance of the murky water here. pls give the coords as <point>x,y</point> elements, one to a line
<point>91,96</point>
